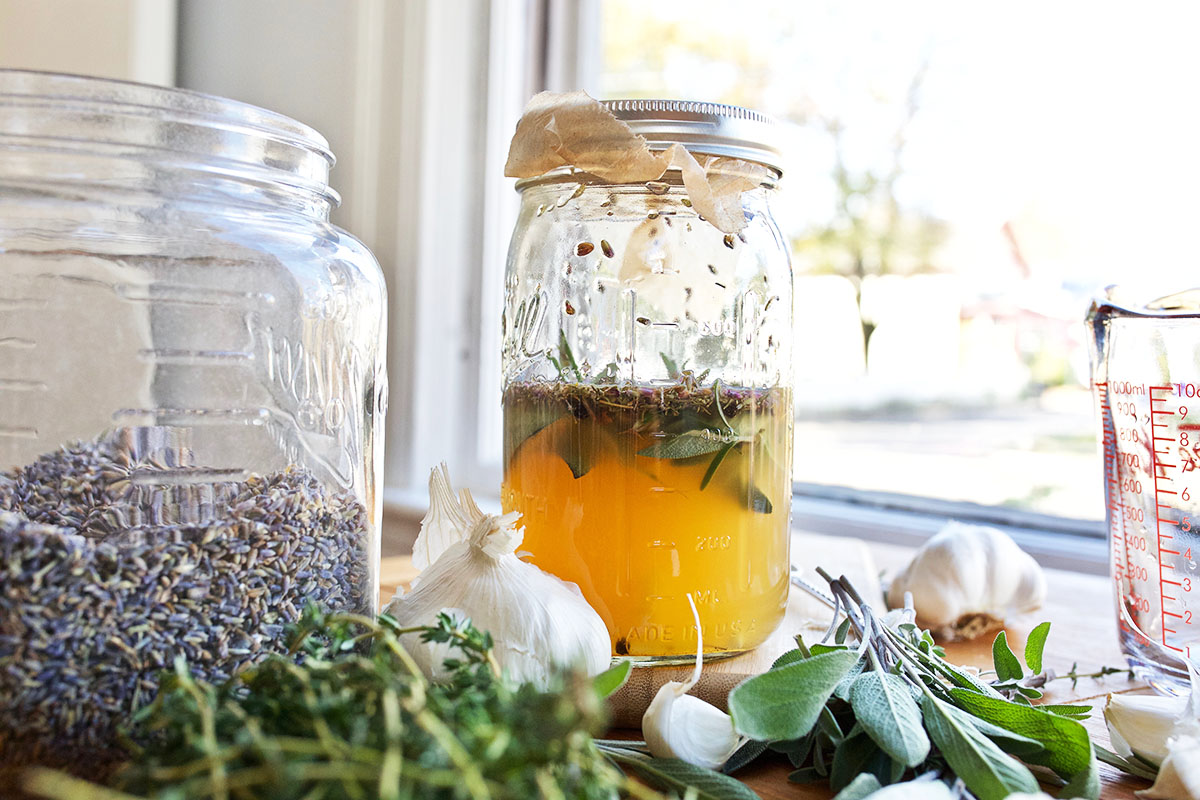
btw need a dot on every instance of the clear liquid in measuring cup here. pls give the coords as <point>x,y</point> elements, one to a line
<point>1146,381</point>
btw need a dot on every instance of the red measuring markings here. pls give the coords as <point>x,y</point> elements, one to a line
<point>1164,486</point>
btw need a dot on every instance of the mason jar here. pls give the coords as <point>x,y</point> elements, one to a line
<point>192,392</point>
<point>647,379</point>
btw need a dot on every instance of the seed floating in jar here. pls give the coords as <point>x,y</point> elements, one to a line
<point>583,248</point>
<point>719,284</point>
<point>652,215</point>
<point>606,248</point>
<point>643,320</point>
<point>729,240</point>
<point>570,308</point>
<point>712,269</point>
<point>686,202</point>
<point>657,187</point>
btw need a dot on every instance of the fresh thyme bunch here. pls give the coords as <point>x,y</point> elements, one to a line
<point>354,718</point>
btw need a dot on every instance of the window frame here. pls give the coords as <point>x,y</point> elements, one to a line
<point>559,55</point>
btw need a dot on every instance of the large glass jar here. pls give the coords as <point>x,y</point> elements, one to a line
<point>647,392</point>
<point>192,388</point>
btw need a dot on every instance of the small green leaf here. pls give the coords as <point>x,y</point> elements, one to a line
<point>855,755</point>
<point>688,444</point>
<point>785,702</point>
<point>716,462</point>
<point>790,657</point>
<point>986,770</point>
<point>745,754</point>
<point>612,679</point>
<point>1070,711</point>
<point>859,788</point>
<point>684,779</point>
<point>1005,660</point>
<point>566,357</point>
<point>885,708</point>
<point>1034,646</point>
<point>673,371</point>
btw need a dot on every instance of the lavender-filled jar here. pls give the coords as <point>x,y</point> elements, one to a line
<point>191,389</point>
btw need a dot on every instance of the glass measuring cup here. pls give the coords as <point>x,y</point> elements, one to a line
<point>1146,385</point>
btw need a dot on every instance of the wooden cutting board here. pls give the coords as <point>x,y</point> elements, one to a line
<point>805,614</point>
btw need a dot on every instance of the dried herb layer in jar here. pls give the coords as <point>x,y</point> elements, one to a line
<point>92,607</point>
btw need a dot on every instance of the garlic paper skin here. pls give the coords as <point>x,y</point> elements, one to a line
<point>1179,776</point>
<point>680,725</point>
<point>967,580</point>
<point>538,622</point>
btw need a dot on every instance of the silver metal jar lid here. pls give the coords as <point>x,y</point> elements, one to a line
<point>712,128</point>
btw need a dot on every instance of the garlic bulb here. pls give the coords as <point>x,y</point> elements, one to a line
<point>967,579</point>
<point>538,622</point>
<point>680,725</point>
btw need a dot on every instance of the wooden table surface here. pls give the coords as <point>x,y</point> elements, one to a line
<point>1083,630</point>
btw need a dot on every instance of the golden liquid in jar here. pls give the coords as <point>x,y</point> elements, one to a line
<point>644,495</point>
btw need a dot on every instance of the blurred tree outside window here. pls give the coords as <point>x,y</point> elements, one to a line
<point>962,180</point>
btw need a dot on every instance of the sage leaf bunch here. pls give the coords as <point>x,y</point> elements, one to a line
<point>876,704</point>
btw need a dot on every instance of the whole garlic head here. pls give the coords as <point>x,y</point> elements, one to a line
<point>967,579</point>
<point>538,622</point>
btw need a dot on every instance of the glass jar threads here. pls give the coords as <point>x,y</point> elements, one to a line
<point>647,389</point>
<point>191,386</point>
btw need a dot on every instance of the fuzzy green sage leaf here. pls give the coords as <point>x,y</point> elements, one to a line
<point>885,708</point>
<point>1068,750</point>
<point>786,702</point>
<point>1008,668</point>
<point>684,779</point>
<point>987,771</point>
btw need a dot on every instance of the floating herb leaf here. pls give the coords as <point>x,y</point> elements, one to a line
<point>716,462</point>
<point>688,444</point>
<point>522,427</point>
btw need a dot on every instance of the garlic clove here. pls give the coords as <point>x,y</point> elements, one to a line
<point>1179,776</point>
<point>1140,724</point>
<point>683,726</point>
<point>680,725</point>
<point>967,579</point>
<point>444,524</point>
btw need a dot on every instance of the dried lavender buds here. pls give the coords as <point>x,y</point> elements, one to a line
<point>96,598</point>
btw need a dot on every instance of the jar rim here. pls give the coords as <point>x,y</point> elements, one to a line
<point>65,112</point>
<point>704,127</point>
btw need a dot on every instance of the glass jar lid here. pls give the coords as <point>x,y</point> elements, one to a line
<point>712,128</point>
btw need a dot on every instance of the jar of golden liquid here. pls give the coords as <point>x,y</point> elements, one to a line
<point>647,389</point>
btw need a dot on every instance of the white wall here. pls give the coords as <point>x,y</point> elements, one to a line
<point>131,40</point>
